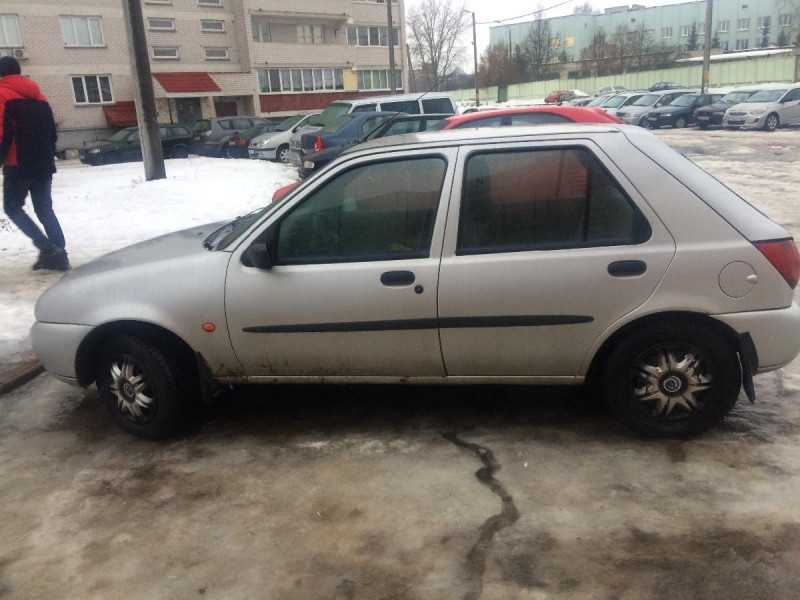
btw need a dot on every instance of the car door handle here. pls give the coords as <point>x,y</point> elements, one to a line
<point>397,278</point>
<point>627,268</point>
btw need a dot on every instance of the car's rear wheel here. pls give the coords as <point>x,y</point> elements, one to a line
<point>180,152</point>
<point>146,393</point>
<point>772,122</point>
<point>112,158</point>
<point>673,379</point>
<point>680,122</point>
<point>282,153</point>
<point>645,123</point>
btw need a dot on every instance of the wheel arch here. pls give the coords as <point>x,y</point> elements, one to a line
<point>86,357</point>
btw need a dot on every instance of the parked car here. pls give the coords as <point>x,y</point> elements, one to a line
<point>612,89</point>
<point>579,102</point>
<point>665,85</point>
<point>345,130</point>
<point>680,112</point>
<point>619,101</point>
<point>412,104</point>
<point>713,113</point>
<point>528,115</point>
<point>211,135</point>
<point>560,96</point>
<point>239,142</point>
<point>543,255</point>
<point>767,109</point>
<point>634,113</point>
<point>126,146</point>
<point>599,100</point>
<point>397,125</point>
<point>275,145</point>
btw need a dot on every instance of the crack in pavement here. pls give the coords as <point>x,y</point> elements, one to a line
<point>476,557</point>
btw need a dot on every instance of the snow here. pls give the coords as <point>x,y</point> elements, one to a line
<point>105,208</point>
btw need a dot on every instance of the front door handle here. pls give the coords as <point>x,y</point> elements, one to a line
<point>397,278</point>
<point>627,268</point>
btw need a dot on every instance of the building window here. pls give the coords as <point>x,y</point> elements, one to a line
<point>209,2</point>
<point>742,44</point>
<point>784,20</point>
<point>310,34</point>
<point>161,24</point>
<point>212,26</point>
<point>666,32</point>
<point>743,24</point>
<point>82,31</point>
<point>686,30</point>
<point>92,89</point>
<point>281,81</point>
<point>216,53</point>
<point>723,26</point>
<point>569,41</point>
<point>763,22</point>
<point>158,1</point>
<point>9,32</point>
<point>378,79</point>
<point>370,36</point>
<point>261,32</point>
<point>165,52</point>
<point>701,28</point>
<point>724,46</point>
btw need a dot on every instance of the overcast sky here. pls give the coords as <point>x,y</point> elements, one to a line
<point>489,12</point>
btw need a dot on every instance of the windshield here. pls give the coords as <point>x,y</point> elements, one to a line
<point>120,135</point>
<point>290,122</point>
<point>685,100</point>
<point>336,124</point>
<point>735,97</point>
<point>333,110</point>
<point>647,100</point>
<point>614,102</point>
<point>767,96</point>
<point>599,101</point>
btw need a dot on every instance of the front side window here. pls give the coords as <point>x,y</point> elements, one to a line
<point>92,89</point>
<point>82,31</point>
<point>9,32</point>
<point>380,211</point>
<point>540,200</point>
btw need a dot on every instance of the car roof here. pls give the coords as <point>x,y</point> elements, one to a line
<point>428,116</point>
<point>392,98</point>
<point>577,113</point>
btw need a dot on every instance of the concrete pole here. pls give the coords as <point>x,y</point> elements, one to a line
<point>143,92</point>
<point>707,46</point>
<point>475,59</point>
<point>392,76</point>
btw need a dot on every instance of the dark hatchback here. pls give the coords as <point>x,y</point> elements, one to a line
<point>680,112</point>
<point>237,145</point>
<point>345,130</point>
<point>713,113</point>
<point>397,126</point>
<point>126,146</point>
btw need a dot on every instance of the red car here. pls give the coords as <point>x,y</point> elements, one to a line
<point>528,115</point>
<point>554,97</point>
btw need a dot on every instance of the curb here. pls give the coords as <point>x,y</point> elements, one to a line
<point>19,375</point>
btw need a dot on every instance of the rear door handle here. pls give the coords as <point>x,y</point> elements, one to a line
<point>627,268</point>
<point>397,278</point>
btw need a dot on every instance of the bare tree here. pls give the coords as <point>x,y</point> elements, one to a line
<point>595,53</point>
<point>497,67</point>
<point>435,28</point>
<point>585,9</point>
<point>642,45</point>
<point>620,46</point>
<point>538,50</point>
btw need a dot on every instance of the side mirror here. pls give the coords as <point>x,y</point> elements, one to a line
<point>294,129</point>
<point>261,254</point>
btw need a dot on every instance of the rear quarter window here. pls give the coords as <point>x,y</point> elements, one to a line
<point>437,105</point>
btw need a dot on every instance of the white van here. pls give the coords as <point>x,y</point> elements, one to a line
<point>410,104</point>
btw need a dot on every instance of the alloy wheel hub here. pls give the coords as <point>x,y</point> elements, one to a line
<point>669,378</point>
<point>130,386</point>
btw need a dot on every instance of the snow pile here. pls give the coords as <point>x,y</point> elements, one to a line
<point>106,208</point>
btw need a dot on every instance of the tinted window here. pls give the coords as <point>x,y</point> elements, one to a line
<point>540,118</point>
<point>364,108</point>
<point>333,110</point>
<point>241,124</point>
<point>336,124</point>
<point>540,199</point>
<point>496,121</point>
<point>401,127</point>
<point>371,125</point>
<point>437,105</point>
<point>410,107</point>
<point>647,100</point>
<point>792,96</point>
<point>179,130</point>
<point>381,211</point>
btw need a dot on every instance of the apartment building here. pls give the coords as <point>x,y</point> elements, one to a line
<point>209,57</point>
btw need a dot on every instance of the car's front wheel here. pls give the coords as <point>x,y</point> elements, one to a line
<point>180,152</point>
<point>146,393</point>
<point>680,122</point>
<point>672,379</point>
<point>772,122</point>
<point>282,154</point>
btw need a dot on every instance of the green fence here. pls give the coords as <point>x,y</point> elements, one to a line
<point>739,72</point>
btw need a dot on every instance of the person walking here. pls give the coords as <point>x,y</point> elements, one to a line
<point>27,153</point>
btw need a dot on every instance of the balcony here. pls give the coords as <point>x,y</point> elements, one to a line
<point>333,13</point>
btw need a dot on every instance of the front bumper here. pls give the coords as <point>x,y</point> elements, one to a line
<point>775,333</point>
<point>746,121</point>
<point>56,346</point>
<point>708,119</point>
<point>659,121</point>
<point>632,119</point>
<point>262,153</point>
<point>92,159</point>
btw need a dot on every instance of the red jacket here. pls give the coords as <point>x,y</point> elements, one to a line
<point>16,87</point>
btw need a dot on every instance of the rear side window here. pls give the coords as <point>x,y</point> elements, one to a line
<point>496,121</point>
<point>364,108</point>
<point>543,199</point>
<point>410,107</point>
<point>226,125</point>
<point>240,124</point>
<point>539,118</point>
<point>178,131</point>
<point>202,126</point>
<point>437,105</point>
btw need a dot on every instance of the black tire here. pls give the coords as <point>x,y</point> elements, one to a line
<point>644,123</point>
<point>112,158</point>
<point>772,122</point>
<point>180,152</point>
<point>282,154</point>
<point>163,381</point>
<point>717,360</point>
<point>680,123</point>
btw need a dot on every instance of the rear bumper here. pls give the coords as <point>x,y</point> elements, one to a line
<point>775,333</point>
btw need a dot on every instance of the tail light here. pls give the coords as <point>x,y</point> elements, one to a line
<point>783,255</point>
<point>318,144</point>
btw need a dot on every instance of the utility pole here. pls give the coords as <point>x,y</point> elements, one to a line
<point>412,80</point>
<point>146,114</point>
<point>392,76</point>
<point>707,47</point>
<point>475,59</point>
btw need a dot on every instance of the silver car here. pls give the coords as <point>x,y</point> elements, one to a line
<point>555,254</point>
<point>616,103</point>
<point>275,144</point>
<point>636,112</point>
<point>767,109</point>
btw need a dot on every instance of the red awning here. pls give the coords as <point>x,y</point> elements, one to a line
<point>181,83</point>
<point>122,114</point>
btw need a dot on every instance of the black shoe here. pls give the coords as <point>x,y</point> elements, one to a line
<point>53,261</point>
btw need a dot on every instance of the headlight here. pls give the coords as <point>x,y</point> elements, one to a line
<point>667,115</point>
<point>719,113</point>
<point>308,165</point>
<point>758,111</point>
<point>94,151</point>
<point>261,144</point>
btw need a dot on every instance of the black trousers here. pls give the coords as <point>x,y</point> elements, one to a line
<point>15,191</point>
